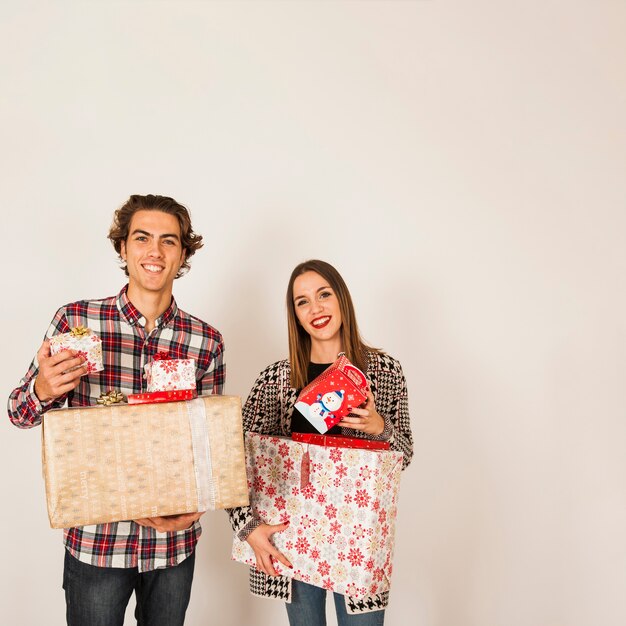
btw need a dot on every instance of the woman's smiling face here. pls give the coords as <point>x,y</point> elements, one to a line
<point>317,307</point>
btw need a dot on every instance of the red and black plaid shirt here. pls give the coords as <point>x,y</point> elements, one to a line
<point>126,348</point>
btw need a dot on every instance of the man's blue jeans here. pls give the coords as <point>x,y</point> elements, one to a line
<point>97,596</point>
<point>308,608</point>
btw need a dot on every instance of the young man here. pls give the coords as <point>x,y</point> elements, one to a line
<point>154,557</point>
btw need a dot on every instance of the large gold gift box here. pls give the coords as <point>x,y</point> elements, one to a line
<point>121,462</point>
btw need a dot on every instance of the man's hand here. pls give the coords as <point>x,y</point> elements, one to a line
<point>170,523</point>
<point>264,549</point>
<point>54,378</point>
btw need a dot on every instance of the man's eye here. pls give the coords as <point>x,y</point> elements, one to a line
<point>169,242</point>
<point>141,238</point>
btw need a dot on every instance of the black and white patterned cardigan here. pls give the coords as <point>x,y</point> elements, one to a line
<point>268,411</point>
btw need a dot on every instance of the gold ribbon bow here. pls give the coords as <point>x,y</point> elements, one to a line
<point>111,397</point>
<point>79,331</point>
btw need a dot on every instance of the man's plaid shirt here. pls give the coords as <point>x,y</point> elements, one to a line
<point>126,348</point>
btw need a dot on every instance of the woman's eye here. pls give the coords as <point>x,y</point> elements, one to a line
<point>325,294</point>
<point>300,302</point>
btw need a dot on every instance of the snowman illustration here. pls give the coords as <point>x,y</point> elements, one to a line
<point>322,412</point>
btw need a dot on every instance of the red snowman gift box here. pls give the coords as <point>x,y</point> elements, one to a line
<point>332,395</point>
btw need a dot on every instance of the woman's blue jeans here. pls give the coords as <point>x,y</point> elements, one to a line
<point>308,608</point>
<point>97,596</point>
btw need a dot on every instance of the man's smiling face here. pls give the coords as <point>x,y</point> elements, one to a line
<point>153,251</point>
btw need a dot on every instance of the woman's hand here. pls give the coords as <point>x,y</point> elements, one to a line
<point>264,550</point>
<point>366,419</point>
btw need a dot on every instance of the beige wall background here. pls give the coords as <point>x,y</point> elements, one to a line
<point>461,163</point>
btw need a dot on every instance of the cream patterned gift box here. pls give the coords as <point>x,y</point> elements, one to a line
<point>341,505</point>
<point>164,374</point>
<point>84,342</point>
<point>120,462</point>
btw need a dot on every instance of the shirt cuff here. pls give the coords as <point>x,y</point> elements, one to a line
<point>387,433</point>
<point>253,524</point>
<point>39,406</point>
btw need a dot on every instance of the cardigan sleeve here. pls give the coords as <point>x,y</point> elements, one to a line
<point>396,414</point>
<point>391,396</point>
<point>261,414</point>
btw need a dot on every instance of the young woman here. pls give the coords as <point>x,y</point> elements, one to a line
<point>321,324</point>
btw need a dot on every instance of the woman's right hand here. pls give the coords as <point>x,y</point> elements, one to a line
<point>264,550</point>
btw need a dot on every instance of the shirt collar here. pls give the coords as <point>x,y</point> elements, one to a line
<point>133,316</point>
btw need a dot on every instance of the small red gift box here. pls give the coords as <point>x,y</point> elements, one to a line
<point>152,397</point>
<point>333,394</point>
<point>340,442</point>
<point>165,374</point>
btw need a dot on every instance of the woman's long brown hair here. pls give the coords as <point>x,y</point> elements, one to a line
<point>299,340</point>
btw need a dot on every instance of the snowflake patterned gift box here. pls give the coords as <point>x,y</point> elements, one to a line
<point>341,505</point>
<point>84,342</point>
<point>165,374</point>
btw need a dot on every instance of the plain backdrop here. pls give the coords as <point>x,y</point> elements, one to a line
<point>463,166</point>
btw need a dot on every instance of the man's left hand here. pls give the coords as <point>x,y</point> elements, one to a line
<point>170,523</point>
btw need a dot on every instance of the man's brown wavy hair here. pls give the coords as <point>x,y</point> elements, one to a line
<point>118,233</point>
